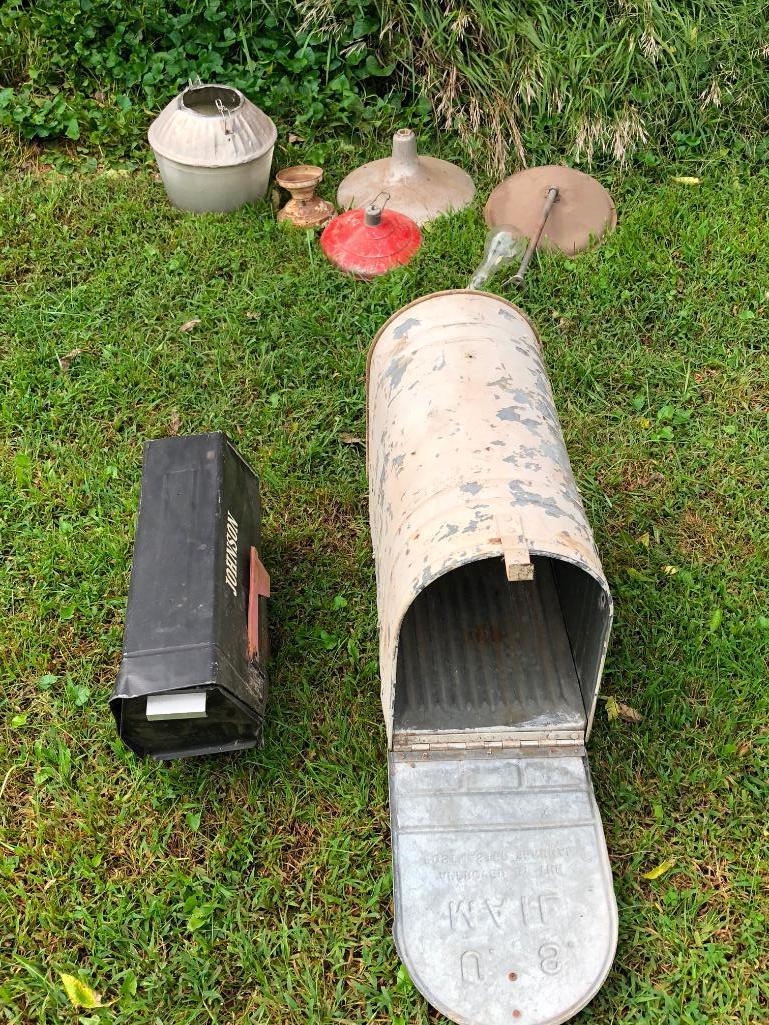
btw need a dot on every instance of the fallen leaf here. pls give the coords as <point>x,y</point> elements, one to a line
<point>744,748</point>
<point>635,574</point>
<point>627,713</point>
<point>616,709</point>
<point>64,361</point>
<point>644,539</point>
<point>685,180</point>
<point>294,138</point>
<point>252,315</point>
<point>175,423</point>
<point>350,439</point>
<point>190,324</point>
<point>670,570</point>
<point>78,993</point>
<point>660,870</point>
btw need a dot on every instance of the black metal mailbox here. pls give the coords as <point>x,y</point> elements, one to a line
<point>192,679</point>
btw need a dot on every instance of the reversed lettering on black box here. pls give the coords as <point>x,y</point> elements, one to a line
<point>231,555</point>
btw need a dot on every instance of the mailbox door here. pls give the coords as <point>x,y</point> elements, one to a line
<point>504,907</point>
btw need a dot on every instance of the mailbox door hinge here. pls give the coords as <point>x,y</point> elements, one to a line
<point>520,742</point>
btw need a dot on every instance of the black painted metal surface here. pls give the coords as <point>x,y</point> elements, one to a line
<point>187,619</point>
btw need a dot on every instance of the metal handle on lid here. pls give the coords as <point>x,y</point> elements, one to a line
<point>550,198</point>
<point>372,214</point>
<point>225,113</point>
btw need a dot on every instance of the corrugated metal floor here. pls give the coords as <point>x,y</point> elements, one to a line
<point>477,651</point>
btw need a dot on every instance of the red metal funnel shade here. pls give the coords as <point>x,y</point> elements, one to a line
<point>367,250</point>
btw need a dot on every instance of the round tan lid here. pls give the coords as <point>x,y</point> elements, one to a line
<point>583,211</point>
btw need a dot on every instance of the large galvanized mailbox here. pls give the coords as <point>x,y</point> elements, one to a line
<point>192,679</point>
<point>494,618</point>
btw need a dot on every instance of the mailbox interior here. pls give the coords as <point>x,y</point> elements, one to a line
<point>478,653</point>
<point>227,725</point>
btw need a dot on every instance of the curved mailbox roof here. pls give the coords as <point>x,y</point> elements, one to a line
<point>465,457</point>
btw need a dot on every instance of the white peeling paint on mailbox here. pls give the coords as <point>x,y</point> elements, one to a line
<point>494,617</point>
<point>466,459</point>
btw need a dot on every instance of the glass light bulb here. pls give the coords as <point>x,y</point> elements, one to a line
<point>503,246</point>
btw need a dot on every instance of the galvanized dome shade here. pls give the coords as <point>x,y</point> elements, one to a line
<point>213,148</point>
<point>582,212</point>
<point>420,187</point>
<point>494,616</point>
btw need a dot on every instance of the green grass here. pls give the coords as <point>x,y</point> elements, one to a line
<point>257,888</point>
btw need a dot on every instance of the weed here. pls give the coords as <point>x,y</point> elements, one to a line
<point>593,82</point>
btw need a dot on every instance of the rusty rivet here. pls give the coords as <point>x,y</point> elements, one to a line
<point>512,976</point>
<point>516,1014</point>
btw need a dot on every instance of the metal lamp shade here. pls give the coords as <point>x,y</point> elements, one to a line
<point>213,149</point>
